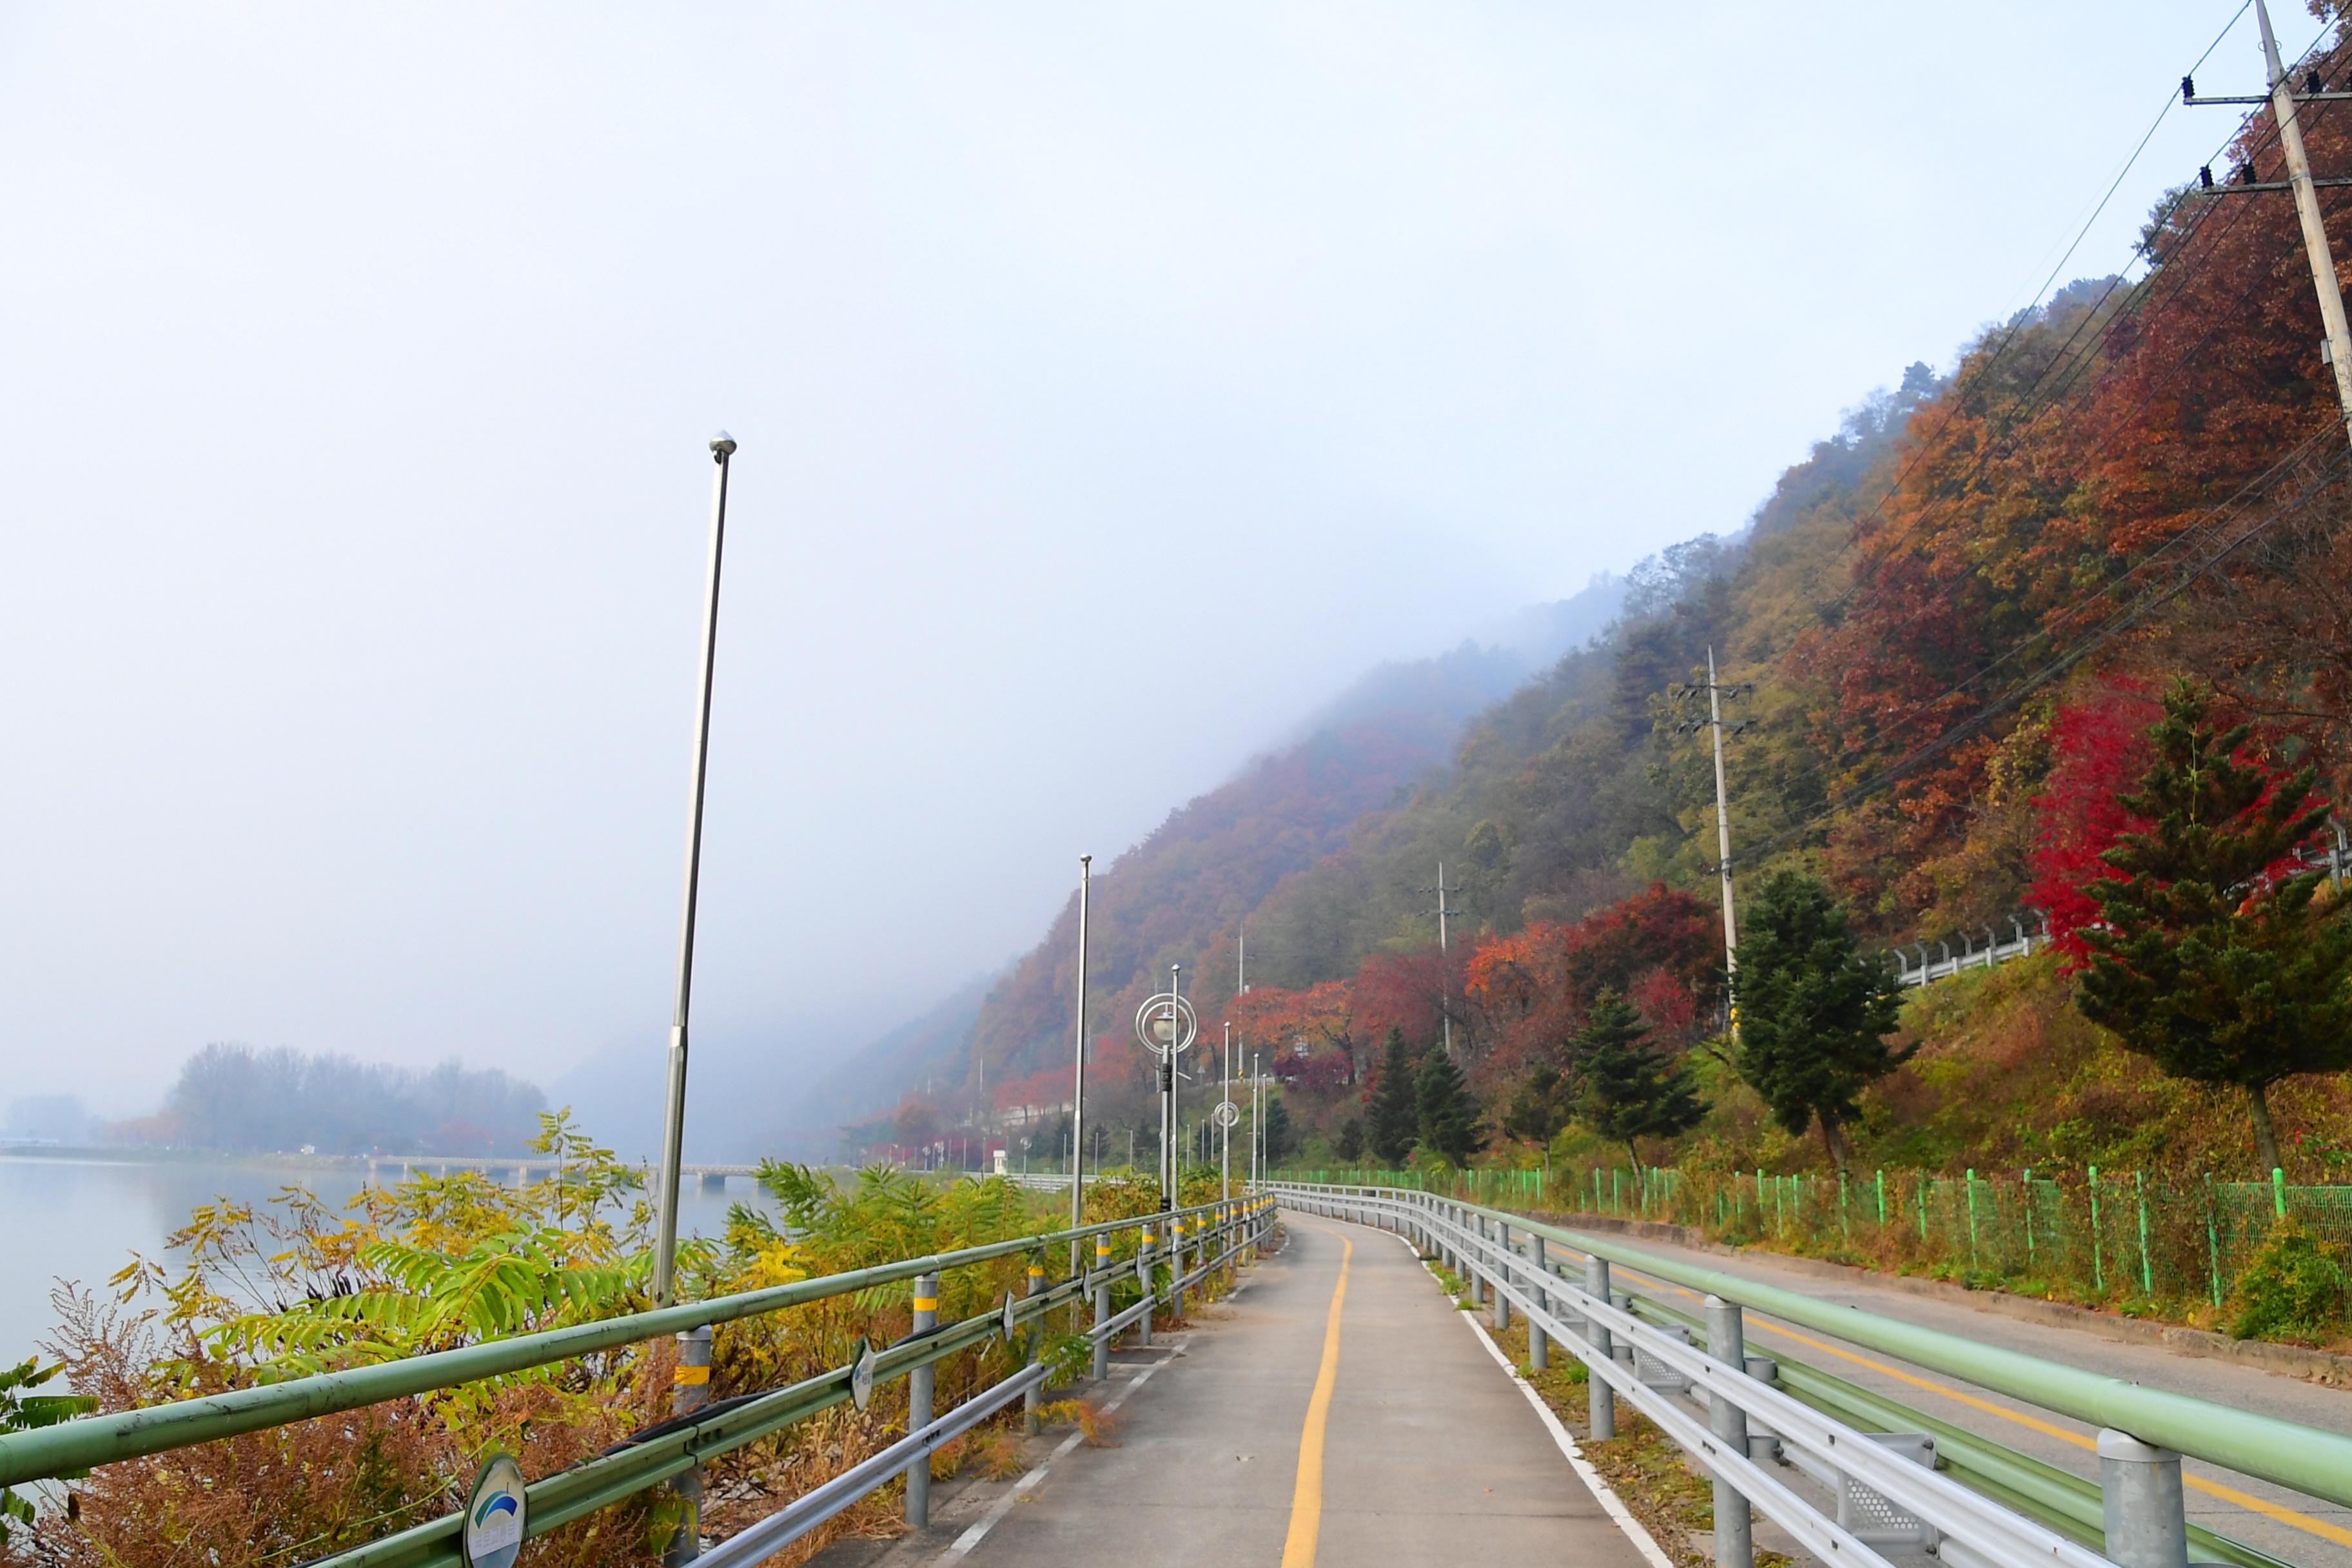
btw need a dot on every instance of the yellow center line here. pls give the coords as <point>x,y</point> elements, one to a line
<point>2228,1494</point>
<point>1307,1501</point>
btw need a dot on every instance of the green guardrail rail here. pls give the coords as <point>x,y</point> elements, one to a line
<point>2303,1459</point>
<point>663,1452</point>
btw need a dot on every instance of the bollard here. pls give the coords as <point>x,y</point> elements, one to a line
<point>1102,1308</point>
<point>1033,1419</point>
<point>1727,1341</point>
<point>1603,1402</point>
<point>2139,1495</point>
<point>689,1389</point>
<point>1143,1273</point>
<point>918,1405</point>
<point>1763,1443</point>
<point>1503,1302</point>
<point>1539,1348</point>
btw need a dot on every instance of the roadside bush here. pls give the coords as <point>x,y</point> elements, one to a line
<point>2293,1289</point>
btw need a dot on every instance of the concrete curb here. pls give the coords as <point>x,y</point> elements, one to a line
<point>2287,1360</point>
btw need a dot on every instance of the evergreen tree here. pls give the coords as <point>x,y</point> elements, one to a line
<point>1351,1139</point>
<point>1396,1104</point>
<point>1280,1136</point>
<point>2209,959</point>
<point>1539,1109</point>
<point>1812,1010</point>
<point>1631,1090</point>
<point>1449,1115</point>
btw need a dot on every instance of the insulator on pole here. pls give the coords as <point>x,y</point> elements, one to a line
<point>2205,177</point>
<point>2188,89</point>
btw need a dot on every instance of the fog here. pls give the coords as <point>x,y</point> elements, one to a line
<point>1113,383</point>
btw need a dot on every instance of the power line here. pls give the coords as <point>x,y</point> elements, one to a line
<point>2121,621</point>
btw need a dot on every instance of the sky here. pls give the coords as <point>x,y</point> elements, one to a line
<point>1113,383</point>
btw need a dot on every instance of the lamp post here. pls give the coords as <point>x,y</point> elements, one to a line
<point>1167,1028</point>
<point>1078,1093</point>
<point>1258,1119</point>
<point>722,449</point>
<point>1225,1117</point>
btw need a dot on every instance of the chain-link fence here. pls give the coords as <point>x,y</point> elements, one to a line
<point>2080,1234</point>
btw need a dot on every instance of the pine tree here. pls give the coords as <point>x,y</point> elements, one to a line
<point>1396,1103</point>
<point>1631,1090</point>
<point>1351,1139</point>
<point>1279,1137</point>
<point>1449,1115</point>
<point>1813,1010</point>
<point>2207,959</point>
<point>1538,1108</point>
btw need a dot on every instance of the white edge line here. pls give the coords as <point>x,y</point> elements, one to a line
<point>1610,1503</point>
<point>962,1545</point>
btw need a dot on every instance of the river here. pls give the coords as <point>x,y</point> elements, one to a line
<point>79,1218</point>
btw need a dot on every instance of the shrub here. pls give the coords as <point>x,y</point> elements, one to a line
<point>2291,1290</point>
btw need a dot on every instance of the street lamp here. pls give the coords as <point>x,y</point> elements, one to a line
<point>722,449</point>
<point>1078,1093</point>
<point>1166,1026</point>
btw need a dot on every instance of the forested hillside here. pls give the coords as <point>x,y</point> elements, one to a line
<point>1948,630</point>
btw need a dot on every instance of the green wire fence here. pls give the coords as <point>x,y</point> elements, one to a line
<point>2081,1233</point>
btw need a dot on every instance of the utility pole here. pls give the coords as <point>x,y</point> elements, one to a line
<point>1078,1093</point>
<point>1240,960</point>
<point>2283,98</point>
<point>1716,693</point>
<point>1445,981</point>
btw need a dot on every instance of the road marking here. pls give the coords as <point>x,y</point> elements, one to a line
<point>1306,1499</point>
<point>2228,1494</point>
<point>963,1543</point>
<point>1602,1492</point>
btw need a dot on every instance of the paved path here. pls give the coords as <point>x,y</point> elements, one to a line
<point>1430,1451</point>
<point>2302,1529</point>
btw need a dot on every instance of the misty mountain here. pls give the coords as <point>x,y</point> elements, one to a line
<point>789,1090</point>
<point>1212,859</point>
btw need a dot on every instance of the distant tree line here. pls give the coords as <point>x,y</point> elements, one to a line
<point>236,1099</point>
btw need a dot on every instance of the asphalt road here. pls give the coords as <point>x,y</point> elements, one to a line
<point>2285,1524</point>
<point>1429,1450</point>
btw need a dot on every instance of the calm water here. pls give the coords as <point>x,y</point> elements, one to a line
<point>81,1219</point>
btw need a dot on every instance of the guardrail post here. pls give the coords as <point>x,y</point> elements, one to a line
<point>1539,1348</point>
<point>1143,1273</point>
<point>1102,1308</point>
<point>1602,1403</point>
<point>1503,1302</point>
<point>2139,1495</point>
<point>689,1389</point>
<point>1727,1342</point>
<point>1762,1442</point>
<point>918,1405</point>
<point>1477,1282</point>
<point>1033,1420</point>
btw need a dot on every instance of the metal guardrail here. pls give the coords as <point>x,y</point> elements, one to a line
<point>2022,944</point>
<point>2148,1430</point>
<point>672,1448</point>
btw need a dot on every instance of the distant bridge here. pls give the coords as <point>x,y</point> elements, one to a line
<point>522,1168</point>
